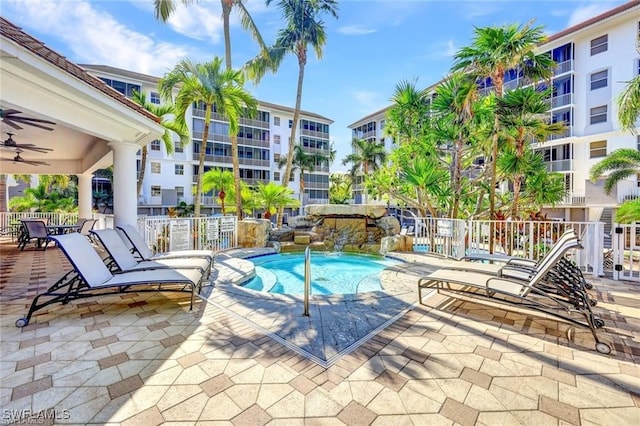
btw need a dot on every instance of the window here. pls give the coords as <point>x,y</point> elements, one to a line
<point>290,123</point>
<point>276,158</point>
<point>179,169</point>
<point>292,178</point>
<point>598,115</point>
<point>179,148</point>
<point>276,176</point>
<point>276,139</point>
<point>156,191</point>
<point>276,121</point>
<point>180,191</point>
<point>599,79</point>
<point>599,45</point>
<point>155,167</point>
<point>154,98</point>
<point>155,145</point>
<point>598,149</point>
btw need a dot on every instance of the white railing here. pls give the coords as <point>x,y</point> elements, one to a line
<point>444,237</point>
<point>164,234</point>
<point>10,219</point>
<point>628,194</point>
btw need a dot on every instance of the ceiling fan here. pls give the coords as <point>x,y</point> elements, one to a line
<point>10,143</point>
<point>11,117</point>
<point>19,159</point>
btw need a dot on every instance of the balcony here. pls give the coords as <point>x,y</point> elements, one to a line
<point>215,137</point>
<point>563,67</point>
<point>560,100</point>
<point>567,133</point>
<point>314,133</point>
<point>558,165</point>
<point>573,198</point>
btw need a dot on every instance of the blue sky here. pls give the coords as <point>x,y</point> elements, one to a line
<point>371,47</point>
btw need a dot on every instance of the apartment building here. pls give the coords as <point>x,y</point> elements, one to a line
<point>594,60</point>
<point>262,141</point>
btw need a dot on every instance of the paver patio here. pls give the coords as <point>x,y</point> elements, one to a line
<point>146,359</point>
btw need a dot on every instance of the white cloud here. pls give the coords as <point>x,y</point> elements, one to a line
<point>368,101</point>
<point>97,37</point>
<point>444,49</point>
<point>355,30</point>
<point>201,21</point>
<point>585,12</point>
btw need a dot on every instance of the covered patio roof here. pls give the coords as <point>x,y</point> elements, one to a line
<point>42,84</point>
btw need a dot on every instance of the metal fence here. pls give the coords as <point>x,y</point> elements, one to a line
<point>163,233</point>
<point>529,239</point>
<point>625,252</point>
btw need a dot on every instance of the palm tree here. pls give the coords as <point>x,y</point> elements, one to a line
<point>340,188</point>
<point>305,162</point>
<point>619,165</point>
<point>303,28</point>
<point>524,115</point>
<point>367,157</point>
<point>494,52</point>
<point>408,118</point>
<point>166,113</point>
<point>220,181</point>
<point>208,85</point>
<point>163,10</point>
<point>629,101</point>
<point>273,197</point>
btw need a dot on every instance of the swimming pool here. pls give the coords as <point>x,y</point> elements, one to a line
<point>331,273</point>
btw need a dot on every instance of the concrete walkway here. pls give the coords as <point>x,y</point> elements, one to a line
<point>146,359</point>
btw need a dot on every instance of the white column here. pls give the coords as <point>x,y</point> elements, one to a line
<point>85,195</point>
<point>125,200</point>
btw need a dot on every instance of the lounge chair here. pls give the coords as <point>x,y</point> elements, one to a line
<point>140,246</point>
<point>124,260</point>
<point>530,294</point>
<point>90,277</point>
<point>34,230</point>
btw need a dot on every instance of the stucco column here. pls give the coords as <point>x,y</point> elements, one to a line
<point>125,201</point>
<point>85,195</point>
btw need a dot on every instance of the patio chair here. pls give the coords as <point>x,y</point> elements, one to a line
<point>90,278</point>
<point>522,295</point>
<point>142,249</point>
<point>123,260</point>
<point>33,230</point>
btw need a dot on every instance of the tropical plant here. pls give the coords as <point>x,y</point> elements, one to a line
<point>340,188</point>
<point>628,212</point>
<point>629,102</point>
<point>367,157</point>
<point>40,199</point>
<point>524,117</point>
<point>408,118</point>
<point>303,28</point>
<point>620,164</point>
<point>165,8</point>
<point>273,197</point>
<point>493,52</point>
<point>220,181</point>
<point>210,86</point>
<point>166,113</point>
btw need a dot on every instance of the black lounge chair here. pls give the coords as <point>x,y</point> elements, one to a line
<point>90,277</point>
<point>34,230</point>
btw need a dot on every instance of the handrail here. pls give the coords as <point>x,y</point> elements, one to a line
<point>307,280</point>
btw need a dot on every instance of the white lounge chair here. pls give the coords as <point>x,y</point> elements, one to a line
<point>90,277</point>
<point>125,261</point>
<point>140,246</point>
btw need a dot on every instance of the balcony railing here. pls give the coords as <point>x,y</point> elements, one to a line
<point>567,133</point>
<point>558,165</point>
<point>561,100</point>
<point>573,199</point>
<point>314,133</point>
<point>628,194</point>
<point>563,67</point>
<point>215,137</point>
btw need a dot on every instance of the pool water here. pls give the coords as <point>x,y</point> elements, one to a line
<point>331,273</point>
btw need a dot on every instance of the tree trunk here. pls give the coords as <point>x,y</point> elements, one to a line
<point>494,157</point>
<point>143,166</point>
<point>203,150</point>
<point>3,193</point>
<point>292,142</point>
<point>457,177</point>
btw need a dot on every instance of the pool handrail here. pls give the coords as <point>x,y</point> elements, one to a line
<point>307,280</point>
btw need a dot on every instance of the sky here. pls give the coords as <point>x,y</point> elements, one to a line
<point>373,45</point>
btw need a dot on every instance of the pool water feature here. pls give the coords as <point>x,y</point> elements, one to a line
<point>331,273</point>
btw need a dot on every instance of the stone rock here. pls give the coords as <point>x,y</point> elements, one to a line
<point>389,225</point>
<point>281,234</point>
<point>253,232</point>
<point>396,243</point>
<point>373,211</point>
<point>303,222</point>
<point>301,239</point>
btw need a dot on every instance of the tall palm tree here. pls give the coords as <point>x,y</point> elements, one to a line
<point>305,162</point>
<point>164,9</point>
<point>408,118</point>
<point>166,112</point>
<point>304,28</point>
<point>220,181</point>
<point>340,188</point>
<point>366,157</point>
<point>493,52</point>
<point>629,102</point>
<point>209,85</point>
<point>524,116</point>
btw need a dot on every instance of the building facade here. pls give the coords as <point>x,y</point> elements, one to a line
<point>594,61</point>
<point>262,141</point>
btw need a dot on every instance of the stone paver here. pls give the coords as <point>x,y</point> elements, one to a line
<point>146,359</point>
